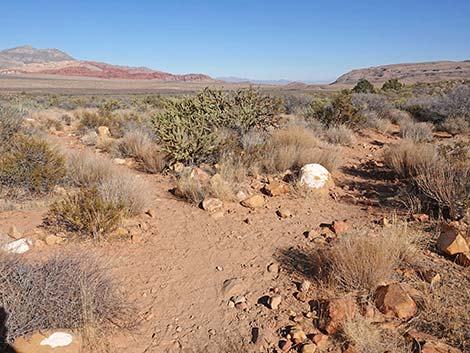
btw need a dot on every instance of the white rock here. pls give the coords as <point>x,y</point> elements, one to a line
<point>19,246</point>
<point>314,176</point>
<point>57,339</point>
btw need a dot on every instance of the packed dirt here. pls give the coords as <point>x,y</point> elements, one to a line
<point>184,264</point>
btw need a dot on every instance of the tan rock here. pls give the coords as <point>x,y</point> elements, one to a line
<point>103,131</point>
<point>451,242</point>
<point>212,204</point>
<point>284,213</point>
<point>151,212</point>
<point>298,335</point>
<point>394,300</point>
<point>321,340</point>
<point>255,201</point>
<point>274,302</point>
<point>119,161</point>
<point>273,267</point>
<point>178,167</point>
<point>420,217</point>
<point>14,233</point>
<point>276,188</point>
<point>52,239</point>
<point>200,175</point>
<point>335,311</point>
<point>339,227</point>
<point>308,348</point>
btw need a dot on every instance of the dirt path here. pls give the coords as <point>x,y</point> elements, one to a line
<point>176,271</point>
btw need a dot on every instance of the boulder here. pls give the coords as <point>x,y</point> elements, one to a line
<point>335,311</point>
<point>255,201</point>
<point>276,188</point>
<point>451,242</point>
<point>394,300</point>
<point>314,176</point>
<point>212,204</point>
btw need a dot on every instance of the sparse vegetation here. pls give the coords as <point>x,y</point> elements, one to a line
<point>340,135</point>
<point>67,290</point>
<point>86,213</point>
<point>30,166</point>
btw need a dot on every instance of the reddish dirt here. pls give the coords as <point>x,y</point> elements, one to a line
<point>175,271</point>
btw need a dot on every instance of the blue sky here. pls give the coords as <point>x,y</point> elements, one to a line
<point>258,39</point>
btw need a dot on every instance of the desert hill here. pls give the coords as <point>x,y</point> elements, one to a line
<point>28,60</point>
<point>410,73</point>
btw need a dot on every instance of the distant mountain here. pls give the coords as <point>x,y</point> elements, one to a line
<point>28,60</point>
<point>410,73</point>
<point>19,56</point>
<point>231,79</point>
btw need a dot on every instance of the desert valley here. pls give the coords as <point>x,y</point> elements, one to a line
<point>143,211</point>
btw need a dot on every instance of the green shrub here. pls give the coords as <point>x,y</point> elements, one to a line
<point>91,119</point>
<point>392,85</point>
<point>30,165</point>
<point>187,128</point>
<point>11,120</point>
<point>338,111</point>
<point>363,86</point>
<point>86,213</point>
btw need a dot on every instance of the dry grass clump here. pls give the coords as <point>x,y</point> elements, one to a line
<point>340,135</point>
<point>362,261</point>
<point>457,125</point>
<point>67,290</point>
<point>439,180</point>
<point>194,190</point>
<point>127,190</point>
<point>409,158</point>
<point>397,116</point>
<point>140,145</point>
<point>373,121</point>
<point>445,307</point>
<point>86,168</point>
<point>30,166</point>
<point>419,132</point>
<point>295,146</point>
<point>85,213</point>
<point>366,337</point>
<point>90,119</point>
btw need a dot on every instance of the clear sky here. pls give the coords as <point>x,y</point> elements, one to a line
<point>258,39</point>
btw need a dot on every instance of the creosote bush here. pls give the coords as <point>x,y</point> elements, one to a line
<point>67,290</point>
<point>363,86</point>
<point>30,166</point>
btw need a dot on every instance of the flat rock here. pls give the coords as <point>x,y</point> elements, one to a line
<point>276,188</point>
<point>394,300</point>
<point>212,204</point>
<point>255,201</point>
